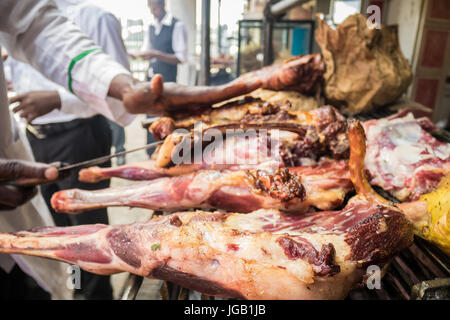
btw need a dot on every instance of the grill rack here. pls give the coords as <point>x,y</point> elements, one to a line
<point>421,271</point>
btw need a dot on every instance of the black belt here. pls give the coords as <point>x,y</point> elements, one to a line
<point>42,131</point>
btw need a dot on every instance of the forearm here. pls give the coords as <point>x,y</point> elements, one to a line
<point>121,85</point>
<point>167,57</point>
<point>24,175</point>
<point>162,56</point>
<point>70,104</point>
<point>37,33</point>
<point>33,104</point>
<point>52,99</point>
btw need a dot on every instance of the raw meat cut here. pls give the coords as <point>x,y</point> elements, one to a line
<point>403,158</point>
<point>290,189</point>
<point>261,255</point>
<point>238,152</point>
<point>302,74</point>
<point>321,132</point>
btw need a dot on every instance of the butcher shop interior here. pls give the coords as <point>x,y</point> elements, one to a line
<point>225,150</point>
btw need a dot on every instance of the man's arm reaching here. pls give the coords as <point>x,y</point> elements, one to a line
<point>37,33</point>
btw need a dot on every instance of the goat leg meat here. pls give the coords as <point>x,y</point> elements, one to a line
<point>289,189</point>
<point>318,255</point>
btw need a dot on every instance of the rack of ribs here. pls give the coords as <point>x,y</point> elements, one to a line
<point>265,254</point>
<point>320,132</point>
<point>325,120</point>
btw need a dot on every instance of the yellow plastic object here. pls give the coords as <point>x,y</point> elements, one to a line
<point>437,228</point>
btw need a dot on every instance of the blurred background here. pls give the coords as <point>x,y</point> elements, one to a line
<point>236,38</point>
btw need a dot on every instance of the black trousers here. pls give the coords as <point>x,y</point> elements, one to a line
<point>91,139</point>
<point>17,285</point>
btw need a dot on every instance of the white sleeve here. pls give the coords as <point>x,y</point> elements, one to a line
<point>26,79</point>
<point>179,41</point>
<point>109,37</point>
<point>146,45</point>
<point>70,104</point>
<point>34,31</point>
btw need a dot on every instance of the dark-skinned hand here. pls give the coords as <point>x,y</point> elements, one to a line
<point>18,179</point>
<point>158,98</point>
<point>34,104</point>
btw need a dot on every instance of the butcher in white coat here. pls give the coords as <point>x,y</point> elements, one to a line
<point>62,127</point>
<point>35,32</point>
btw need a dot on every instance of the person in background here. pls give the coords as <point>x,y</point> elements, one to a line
<point>35,32</point>
<point>64,128</point>
<point>165,46</point>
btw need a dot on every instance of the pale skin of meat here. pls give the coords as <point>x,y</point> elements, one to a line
<point>315,256</point>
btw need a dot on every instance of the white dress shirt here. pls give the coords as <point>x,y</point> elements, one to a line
<point>179,37</point>
<point>105,30</point>
<point>34,31</point>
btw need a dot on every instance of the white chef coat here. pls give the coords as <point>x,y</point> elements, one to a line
<point>34,31</point>
<point>179,36</point>
<point>101,27</point>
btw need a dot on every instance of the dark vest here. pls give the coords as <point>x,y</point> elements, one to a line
<point>163,42</point>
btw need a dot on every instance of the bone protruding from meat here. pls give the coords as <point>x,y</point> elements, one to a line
<point>303,188</point>
<point>234,153</point>
<point>294,189</point>
<point>319,255</point>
